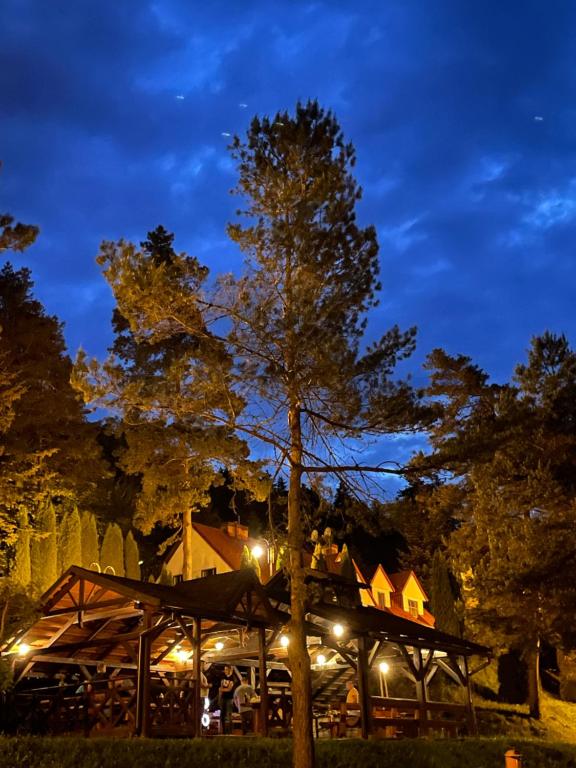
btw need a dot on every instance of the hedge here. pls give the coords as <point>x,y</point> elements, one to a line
<point>46,752</point>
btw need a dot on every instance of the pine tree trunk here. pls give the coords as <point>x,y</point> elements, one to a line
<point>302,737</point>
<point>533,663</point>
<point>187,545</point>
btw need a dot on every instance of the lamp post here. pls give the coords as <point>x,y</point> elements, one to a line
<point>384,668</point>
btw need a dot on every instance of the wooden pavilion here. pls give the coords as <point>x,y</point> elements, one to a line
<point>139,652</point>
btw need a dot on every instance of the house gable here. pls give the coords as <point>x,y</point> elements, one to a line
<point>410,595</point>
<point>381,589</point>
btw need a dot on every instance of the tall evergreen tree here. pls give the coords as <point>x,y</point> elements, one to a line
<point>48,448</point>
<point>311,273</point>
<point>70,539</point>
<point>44,549</point>
<point>512,449</point>
<point>131,557</point>
<point>112,550</point>
<point>161,378</point>
<point>21,570</point>
<point>443,596</point>
<point>89,537</point>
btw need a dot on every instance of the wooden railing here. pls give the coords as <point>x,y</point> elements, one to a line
<point>396,718</point>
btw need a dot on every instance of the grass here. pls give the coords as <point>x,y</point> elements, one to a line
<point>557,724</point>
<point>44,752</point>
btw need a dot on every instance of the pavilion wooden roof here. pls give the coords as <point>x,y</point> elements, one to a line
<point>374,622</point>
<point>89,617</point>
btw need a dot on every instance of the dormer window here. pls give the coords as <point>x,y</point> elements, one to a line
<point>381,599</point>
<point>413,608</point>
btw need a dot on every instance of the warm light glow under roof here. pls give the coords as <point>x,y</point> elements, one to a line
<point>338,630</point>
<point>219,645</point>
<point>384,667</point>
<point>257,551</point>
<point>284,641</point>
<point>23,649</point>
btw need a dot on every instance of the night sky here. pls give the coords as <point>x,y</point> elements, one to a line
<point>113,117</point>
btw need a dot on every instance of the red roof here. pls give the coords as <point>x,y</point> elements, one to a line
<point>230,548</point>
<point>400,580</point>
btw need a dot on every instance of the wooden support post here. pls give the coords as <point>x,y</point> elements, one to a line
<point>421,692</point>
<point>263,676</point>
<point>143,689</point>
<point>197,663</point>
<point>364,689</point>
<point>470,711</point>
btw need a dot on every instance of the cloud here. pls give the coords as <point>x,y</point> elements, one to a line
<point>472,198</point>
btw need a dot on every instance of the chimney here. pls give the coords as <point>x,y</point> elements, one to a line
<point>236,530</point>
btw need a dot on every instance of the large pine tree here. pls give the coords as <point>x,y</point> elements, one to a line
<point>280,356</point>
<point>48,448</point>
<point>161,379</point>
<point>512,451</point>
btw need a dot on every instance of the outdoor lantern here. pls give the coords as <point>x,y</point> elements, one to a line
<point>257,551</point>
<point>384,668</point>
<point>284,641</point>
<point>23,649</point>
<point>338,630</point>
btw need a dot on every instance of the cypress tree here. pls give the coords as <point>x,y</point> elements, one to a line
<point>70,540</point>
<point>442,597</point>
<point>112,551</point>
<point>21,569</point>
<point>44,549</point>
<point>90,549</point>
<point>131,557</point>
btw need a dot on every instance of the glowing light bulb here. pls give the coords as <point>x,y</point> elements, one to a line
<point>321,659</point>
<point>219,645</point>
<point>257,551</point>
<point>205,719</point>
<point>206,703</point>
<point>338,630</point>
<point>23,649</point>
<point>384,667</point>
<point>182,656</point>
<point>284,641</point>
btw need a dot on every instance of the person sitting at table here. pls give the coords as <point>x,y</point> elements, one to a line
<point>352,695</point>
<point>352,719</point>
<point>243,696</point>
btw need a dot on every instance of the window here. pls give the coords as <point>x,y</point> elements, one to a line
<point>413,608</point>
<point>208,572</point>
<point>381,599</point>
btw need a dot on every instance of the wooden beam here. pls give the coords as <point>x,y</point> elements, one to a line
<point>363,689</point>
<point>263,677</point>
<point>85,609</point>
<point>66,587</point>
<point>374,652</point>
<point>143,687</point>
<point>197,665</point>
<point>421,691</point>
<point>470,711</point>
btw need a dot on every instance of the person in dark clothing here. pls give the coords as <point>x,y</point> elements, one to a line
<point>226,698</point>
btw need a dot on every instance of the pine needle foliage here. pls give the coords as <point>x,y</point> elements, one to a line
<point>112,550</point>
<point>131,557</point>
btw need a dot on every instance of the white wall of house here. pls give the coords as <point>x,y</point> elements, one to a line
<point>203,557</point>
<point>412,592</point>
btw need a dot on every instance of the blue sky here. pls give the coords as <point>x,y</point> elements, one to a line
<point>462,114</point>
